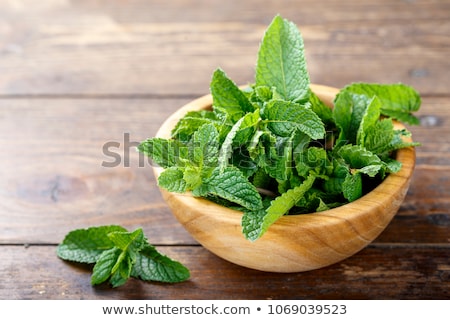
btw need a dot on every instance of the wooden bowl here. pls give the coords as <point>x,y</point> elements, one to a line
<point>298,242</point>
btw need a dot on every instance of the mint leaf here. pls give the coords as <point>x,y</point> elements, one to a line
<point>164,152</point>
<point>128,241</point>
<point>232,185</point>
<point>227,95</point>
<point>104,266</point>
<point>116,264</point>
<point>349,110</point>
<point>378,139</point>
<point>192,121</point>
<point>358,157</point>
<point>352,187</point>
<point>281,62</point>
<point>321,109</point>
<point>119,254</point>
<point>256,223</point>
<point>252,224</point>
<point>397,141</point>
<point>312,159</point>
<point>86,245</point>
<point>285,117</point>
<point>152,266</point>
<point>369,120</point>
<point>205,145</point>
<point>398,101</point>
<point>172,179</point>
<point>227,147</point>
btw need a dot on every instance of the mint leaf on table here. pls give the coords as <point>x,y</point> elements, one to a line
<point>112,264</point>
<point>150,265</point>
<point>281,62</point>
<point>119,254</point>
<point>86,245</point>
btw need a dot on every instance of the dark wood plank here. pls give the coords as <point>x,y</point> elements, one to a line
<point>172,48</point>
<point>399,273</point>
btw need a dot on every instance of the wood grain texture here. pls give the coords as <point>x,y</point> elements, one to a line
<point>399,273</point>
<point>75,75</point>
<point>116,48</point>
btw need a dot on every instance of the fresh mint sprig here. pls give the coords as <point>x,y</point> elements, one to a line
<point>274,148</point>
<point>119,255</point>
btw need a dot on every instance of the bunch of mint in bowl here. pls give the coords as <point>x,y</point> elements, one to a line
<point>283,175</point>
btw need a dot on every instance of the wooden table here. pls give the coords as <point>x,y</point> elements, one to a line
<point>76,76</point>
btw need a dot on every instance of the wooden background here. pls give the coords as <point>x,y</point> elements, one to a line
<point>76,76</point>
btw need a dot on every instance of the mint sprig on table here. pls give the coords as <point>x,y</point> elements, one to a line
<point>119,255</point>
<point>274,148</point>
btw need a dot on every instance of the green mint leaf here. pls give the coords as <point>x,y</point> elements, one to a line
<point>370,117</point>
<point>262,94</point>
<point>281,61</point>
<point>172,179</point>
<point>86,245</point>
<point>192,176</point>
<point>398,142</point>
<point>119,278</point>
<point>352,187</point>
<point>257,223</point>
<point>285,117</point>
<point>393,165</point>
<point>152,266</point>
<point>227,95</point>
<point>128,241</point>
<point>370,170</point>
<point>192,121</point>
<point>226,149</point>
<point>321,109</point>
<point>398,101</point>
<point>378,139</point>
<point>349,110</point>
<point>119,254</point>
<point>252,224</point>
<point>163,152</point>
<point>104,266</point>
<point>247,128</point>
<point>205,145</point>
<point>358,157</point>
<point>312,159</point>
<point>232,185</point>
<point>273,154</point>
<point>280,162</point>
